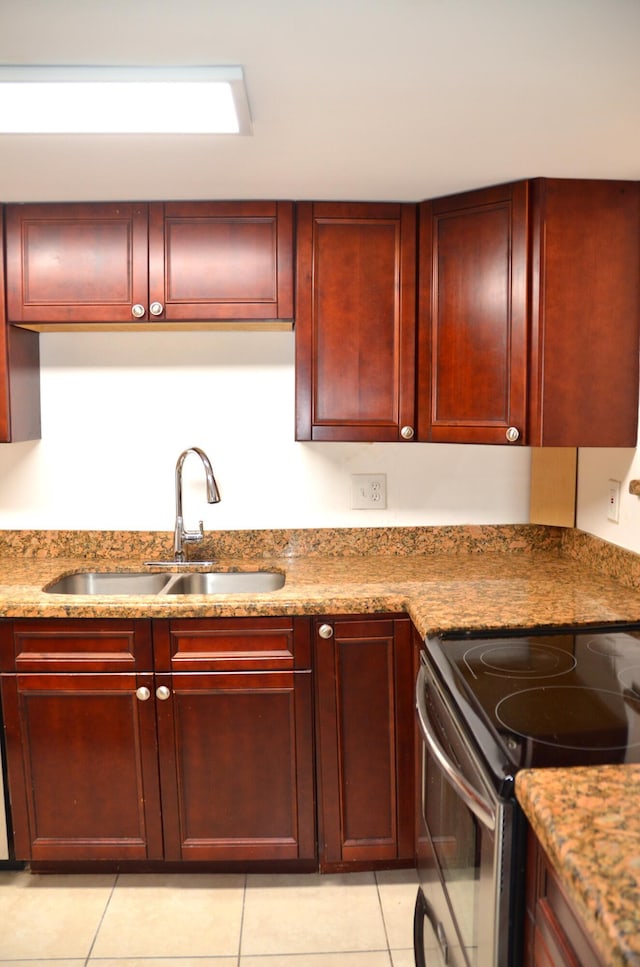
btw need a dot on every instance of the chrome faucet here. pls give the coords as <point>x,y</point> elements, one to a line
<point>181,535</point>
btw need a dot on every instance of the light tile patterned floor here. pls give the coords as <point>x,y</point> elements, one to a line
<point>207,920</point>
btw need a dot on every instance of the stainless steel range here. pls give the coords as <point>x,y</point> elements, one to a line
<point>487,707</point>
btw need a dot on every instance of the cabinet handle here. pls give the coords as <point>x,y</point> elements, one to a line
<point>156,308</point>
<point>325,631</point>
<point>513,434</point>
<point>407,432</point>
<point>163,693</point>
<point>143,693</point>
<point>137,311</point>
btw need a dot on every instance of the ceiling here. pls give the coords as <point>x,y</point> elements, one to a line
<point>350,99</point>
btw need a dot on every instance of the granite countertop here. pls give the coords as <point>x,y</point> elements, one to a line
<point>443,578</point>
<point>588,822</point>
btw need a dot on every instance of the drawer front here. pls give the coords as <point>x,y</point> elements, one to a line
<point>225,644</point>
<point>75,645</point>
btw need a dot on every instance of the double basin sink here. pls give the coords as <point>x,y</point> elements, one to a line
<point>136,583</point>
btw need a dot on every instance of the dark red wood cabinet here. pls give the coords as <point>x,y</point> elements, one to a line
<point>473,316</point>
<point>364,736</point>
<point>529,313</point>
<point>355,321</point>
<point>19,372</point>
<point>123,263</point>
<point>165,740</point>
<point>555,935</point>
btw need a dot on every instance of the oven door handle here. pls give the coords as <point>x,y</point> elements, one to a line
<point>468,793</point>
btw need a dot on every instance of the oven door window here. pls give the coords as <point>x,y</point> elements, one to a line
<point>459,860</point>
<point>456,837</point>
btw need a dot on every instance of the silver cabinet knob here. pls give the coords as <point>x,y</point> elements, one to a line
<point>143,693</point>
<point>137,311</point>
<point>513,434</point>
<point>156,308</point>
<point>163,693</point>
<point>325,631</point>
<point>407,433</point>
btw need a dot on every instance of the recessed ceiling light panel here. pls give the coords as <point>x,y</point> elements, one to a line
<point>123,100</point>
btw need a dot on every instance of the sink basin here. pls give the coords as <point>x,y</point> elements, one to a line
<point>91,582</point>
<point>144,582</point>
<point>225,582</point>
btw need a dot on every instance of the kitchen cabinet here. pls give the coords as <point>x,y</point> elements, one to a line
<point>529,307</point>
<point>19,374</point>
<point>163,740</point>
<point>555,936</point>
<point>93,264</point>
<point>355,321</point>
<point>365,751</point>
<point>473,316</point>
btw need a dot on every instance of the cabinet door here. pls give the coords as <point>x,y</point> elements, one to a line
<point>364,722</point>
<point>75,263</point>
<point>555,934</point>
<point>355,321</point>
<point>473,317</point>
<point>585,313</point>
<point>236,759</point>
<point>221,260</point>
<point>82,766</point>
<point>19,373</point>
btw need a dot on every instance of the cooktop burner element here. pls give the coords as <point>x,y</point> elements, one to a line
<point>534,700</point>
<point>513,660</point>
<point>571,717</point>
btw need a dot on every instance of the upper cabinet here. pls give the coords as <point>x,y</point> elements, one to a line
<point>585,313</point>
<point>355,321</point>
<point>19,376</point>
<point>473,317</point>
<point>116,264</point>
<point>529,309</point>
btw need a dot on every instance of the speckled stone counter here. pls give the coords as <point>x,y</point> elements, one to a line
<point>444,578</point>
<point>588,822</point>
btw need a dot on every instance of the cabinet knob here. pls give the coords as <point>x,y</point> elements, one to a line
<point>513,434</point>
<point>143,693</point>
<point>325,631</point>
<point>156,308</point>
<point>137,311</point>
<point>163,693</point>
<point>407,432</point>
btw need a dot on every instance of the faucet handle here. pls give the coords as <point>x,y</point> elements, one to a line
<point>194,537</point>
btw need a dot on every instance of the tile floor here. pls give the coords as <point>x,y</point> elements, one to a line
<point>207,920</point>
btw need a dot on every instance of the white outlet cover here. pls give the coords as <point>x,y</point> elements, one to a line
<point>368,491</point>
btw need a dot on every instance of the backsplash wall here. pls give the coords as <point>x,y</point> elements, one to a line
<point>117,410</point>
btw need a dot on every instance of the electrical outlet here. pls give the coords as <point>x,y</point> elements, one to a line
<point>368,491</point>
<point>613,502</point>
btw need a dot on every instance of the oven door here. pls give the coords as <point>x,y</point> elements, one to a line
<point>462,911</point>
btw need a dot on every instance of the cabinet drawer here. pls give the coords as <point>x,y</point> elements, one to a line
<point>223,644</point>
<point>75,645</point>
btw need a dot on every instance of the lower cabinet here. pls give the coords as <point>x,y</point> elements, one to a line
<point>554,933</point>
<point>159,740</point>
<point>364,736</point>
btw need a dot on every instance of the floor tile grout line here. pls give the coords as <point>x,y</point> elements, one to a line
<point>101,920</point>
<point>384,922</point>
<point>244,901</point>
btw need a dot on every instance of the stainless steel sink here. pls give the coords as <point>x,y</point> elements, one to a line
<point>226,582</point>
<point>92,582</point>
<point>136,583</point>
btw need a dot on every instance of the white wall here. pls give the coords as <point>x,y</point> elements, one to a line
<point>595,469</point>
<point>117,410</point>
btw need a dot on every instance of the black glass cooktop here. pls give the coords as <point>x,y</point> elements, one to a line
<point>547,699</point>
